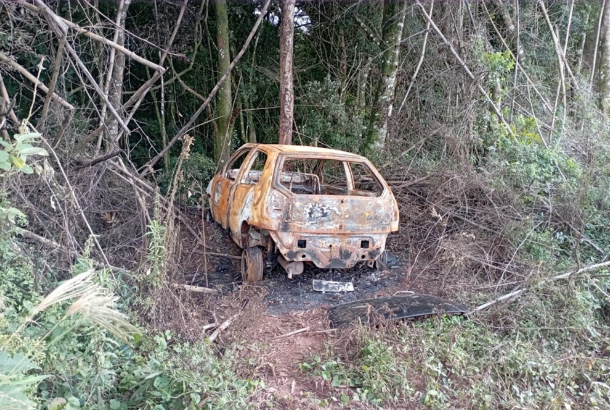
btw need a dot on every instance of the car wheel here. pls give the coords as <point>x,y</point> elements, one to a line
<point>252,265</point>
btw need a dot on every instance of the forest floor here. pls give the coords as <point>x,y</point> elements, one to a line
<point>278,325</point>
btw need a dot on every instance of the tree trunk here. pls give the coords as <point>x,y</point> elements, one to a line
<point>393,21</point>
<point>115,89</point>
<point>604,62</point>
<point>222,140</point>
<point>286,83</point>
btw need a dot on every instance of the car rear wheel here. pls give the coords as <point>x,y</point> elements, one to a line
<point>252,265</point>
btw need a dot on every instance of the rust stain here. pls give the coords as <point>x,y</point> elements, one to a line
<point>296,213</point>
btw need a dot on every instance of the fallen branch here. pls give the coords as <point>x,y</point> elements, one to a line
<point>46,241</point>
<point>194,289</point>
<point>548,280</point>
<point>302,330</point>
<point>223,327</point>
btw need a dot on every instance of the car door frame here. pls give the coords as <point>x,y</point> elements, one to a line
<point>222,188</point>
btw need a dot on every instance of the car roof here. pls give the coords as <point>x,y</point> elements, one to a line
<point>295,149</point>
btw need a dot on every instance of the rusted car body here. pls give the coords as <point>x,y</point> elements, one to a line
<point>305,204</point>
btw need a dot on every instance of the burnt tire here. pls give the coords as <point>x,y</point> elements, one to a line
<point>252,265</point>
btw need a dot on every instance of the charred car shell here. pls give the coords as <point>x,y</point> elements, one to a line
<point>308,204</point>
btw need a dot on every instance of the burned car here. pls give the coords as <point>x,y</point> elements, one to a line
<point>302,204</point>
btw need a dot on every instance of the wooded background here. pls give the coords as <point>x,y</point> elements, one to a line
<point>488,118</point>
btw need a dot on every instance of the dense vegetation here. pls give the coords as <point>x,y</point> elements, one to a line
<point>490,120</point>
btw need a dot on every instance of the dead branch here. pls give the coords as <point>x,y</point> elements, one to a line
<point>144,188</point>
<point>45,241</point>
<point>98,160</point>
<point>521,290</point>
<point>96,87</point>
<point>4,95</point>
<point>193,288</point>
<point>419,63</point>
<point>495,108</point>
<point>302,330</point>
<point>225,324</point>
<point>55,76</point>
<point>63,23</point>
<point>33,79</point>
<point>148,166</point>
<point>75,199</point>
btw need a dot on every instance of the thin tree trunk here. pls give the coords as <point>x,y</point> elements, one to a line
<point>604,61</point>
<point>394,13</point>
<point>115,91</point>
<point>222,140</point>
<point>286,78</point>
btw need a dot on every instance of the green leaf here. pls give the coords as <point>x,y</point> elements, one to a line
<point>30,151</point>
<point>15,364</point>
<point>18,162</point>
<point>345,399</point>
<point>26,137</point>
<point>29,380</point>
<point>116,405</point>
<point>27,169</point>
<point>13,398</point>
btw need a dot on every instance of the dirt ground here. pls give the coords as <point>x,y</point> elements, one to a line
<point>279,323</point>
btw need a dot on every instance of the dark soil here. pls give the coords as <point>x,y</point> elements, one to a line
<point>282,294</point>
<point>286,295</point>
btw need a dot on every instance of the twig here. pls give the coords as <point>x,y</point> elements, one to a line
<point>60,28</point>
<point>193,288</point>
<point>63,23</point>
<point>148,190</point>
<point>56,70</point>
<point>466,69</point>
<point>40,67</point>
<point>419,63</point>
<point>30,76</point>
<point>98,160</point>
<point>223,327</point>
<point>148,166</point>
<point>76,203</point>
<point>302,330</point>
<point>556,278</point>
<point>205,260</point>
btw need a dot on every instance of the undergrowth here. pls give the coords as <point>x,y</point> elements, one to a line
<point>552,354</point>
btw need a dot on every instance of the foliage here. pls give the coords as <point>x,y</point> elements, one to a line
<point>84,355</point>
<point>197,170</point>
<point>14,155</point>
<point>547,356</point>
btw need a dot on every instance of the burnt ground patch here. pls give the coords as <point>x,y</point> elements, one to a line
<point>221,270</point>
<point>285,295</point>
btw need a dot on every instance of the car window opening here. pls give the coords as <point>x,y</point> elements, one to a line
<point>321,176</point>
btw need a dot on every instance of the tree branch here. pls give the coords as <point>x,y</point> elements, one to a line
<point>33,79</point>
<point>556,278</point>
<point>148,166</point>
<point>465,67</point>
